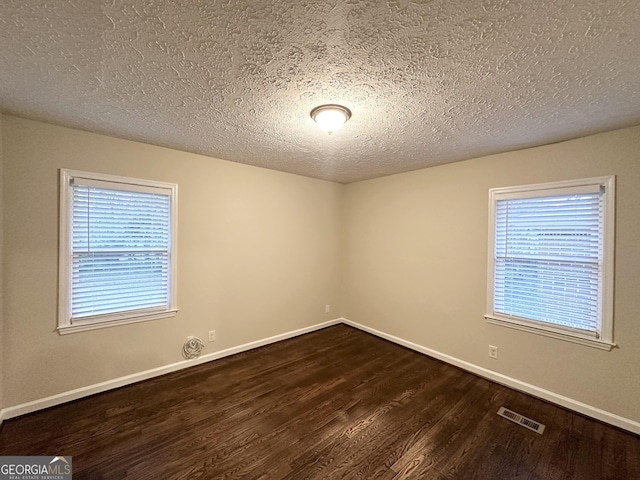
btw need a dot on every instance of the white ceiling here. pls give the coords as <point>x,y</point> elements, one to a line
<point>428,81</point>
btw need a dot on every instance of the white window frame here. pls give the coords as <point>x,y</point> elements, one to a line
<point>604,340</point>
<point>65,323</point>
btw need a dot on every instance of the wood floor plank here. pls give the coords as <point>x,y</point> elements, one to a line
<point>333,404</point>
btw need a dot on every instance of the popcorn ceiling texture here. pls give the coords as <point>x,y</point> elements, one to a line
<point>428,81</point>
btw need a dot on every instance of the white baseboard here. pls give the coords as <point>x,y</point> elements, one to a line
<point>64,397</point>
<point>569,403</point>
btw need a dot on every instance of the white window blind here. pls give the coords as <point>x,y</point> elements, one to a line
<point>119,260</point>
<point>120,251</point>
<point>548,264</point>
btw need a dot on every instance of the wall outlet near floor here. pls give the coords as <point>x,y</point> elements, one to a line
<point>212,335</point>
<point>327,308</point>
<point>493,351</point>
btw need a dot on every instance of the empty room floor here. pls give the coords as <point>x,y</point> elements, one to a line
<point>336,403</point>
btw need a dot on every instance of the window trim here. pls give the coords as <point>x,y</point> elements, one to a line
<point>65,324</point>
<point>605,342</point>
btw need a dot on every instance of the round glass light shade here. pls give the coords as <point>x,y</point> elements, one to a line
<point>330,117</point>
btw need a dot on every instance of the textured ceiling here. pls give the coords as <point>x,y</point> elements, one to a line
<point>428,81</point>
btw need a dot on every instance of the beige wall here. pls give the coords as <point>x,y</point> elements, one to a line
<point>416,266</point>
<point>2,337</point>
<point>257,256</point>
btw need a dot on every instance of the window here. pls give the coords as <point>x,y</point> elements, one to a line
<point>551,259</point>
<point>117,250</point>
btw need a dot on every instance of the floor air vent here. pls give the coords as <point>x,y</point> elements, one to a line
<point>520,420</point>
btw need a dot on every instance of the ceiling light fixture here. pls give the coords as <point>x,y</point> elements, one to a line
<point>330,117</point>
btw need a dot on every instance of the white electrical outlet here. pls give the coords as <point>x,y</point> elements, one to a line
<point>327,308</point>
<point>493,351</point>
<point>212,335</point>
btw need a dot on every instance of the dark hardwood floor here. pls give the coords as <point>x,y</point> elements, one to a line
<point>337,403</point>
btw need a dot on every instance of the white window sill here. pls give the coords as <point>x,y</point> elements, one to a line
<point>560,335</point>
<point>95,325</point>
